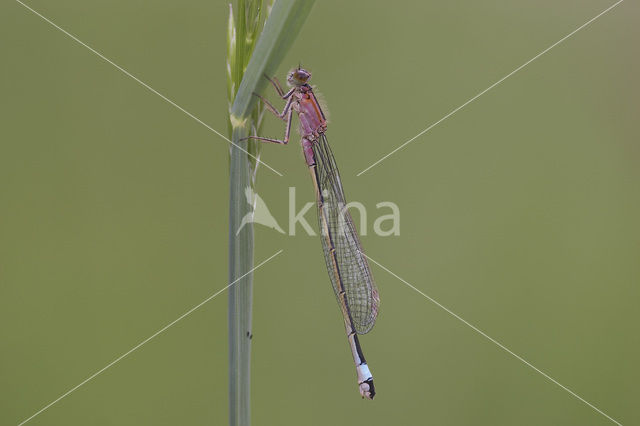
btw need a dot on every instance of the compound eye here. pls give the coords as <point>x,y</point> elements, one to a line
<point>302,76</point>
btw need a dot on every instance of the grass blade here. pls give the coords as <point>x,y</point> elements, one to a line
<point>281,27</point>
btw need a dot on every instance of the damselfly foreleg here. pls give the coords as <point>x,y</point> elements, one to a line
<point>287,131</point>
<point>274,110</point>
<point>276,84</point>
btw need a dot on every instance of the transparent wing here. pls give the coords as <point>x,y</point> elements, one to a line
<point>353,268</point>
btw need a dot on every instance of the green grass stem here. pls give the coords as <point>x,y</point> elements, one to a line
<point>246,69</point>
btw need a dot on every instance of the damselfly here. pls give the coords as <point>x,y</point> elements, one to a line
<point>346,263</point>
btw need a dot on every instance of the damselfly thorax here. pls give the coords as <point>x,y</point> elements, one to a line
<point>312,121</point>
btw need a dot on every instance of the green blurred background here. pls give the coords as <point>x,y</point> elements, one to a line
<point>519,213</point>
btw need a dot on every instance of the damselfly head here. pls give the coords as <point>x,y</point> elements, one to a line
<point>298,77</point>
